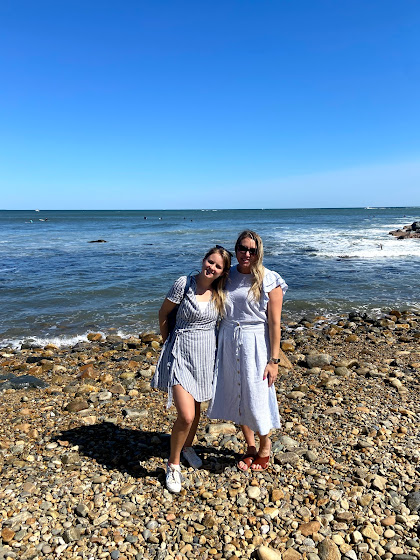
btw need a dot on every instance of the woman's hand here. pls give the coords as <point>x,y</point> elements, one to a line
<point>164,311</point>
<point>271,371</point>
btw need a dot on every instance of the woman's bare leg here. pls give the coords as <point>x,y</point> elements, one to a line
<point>194,425</point>
<point>263,451</point>
<point>185,406</point>
<point>250,445</point>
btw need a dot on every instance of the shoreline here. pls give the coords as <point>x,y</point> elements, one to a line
<point>83,455</point>
<point>289,318</point>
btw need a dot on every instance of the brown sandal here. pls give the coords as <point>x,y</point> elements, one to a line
<point>263,462</point>
<point>248,459</point>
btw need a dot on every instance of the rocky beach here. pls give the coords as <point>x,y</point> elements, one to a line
<point>84,442</point>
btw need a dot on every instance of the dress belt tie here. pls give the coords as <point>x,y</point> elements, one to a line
<point>239,329</point>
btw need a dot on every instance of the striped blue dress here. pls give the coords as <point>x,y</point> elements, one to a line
<point>188,355</point>
<point>240,392</point>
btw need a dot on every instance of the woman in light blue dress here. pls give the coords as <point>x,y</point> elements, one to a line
<point>248,351</point>
<point>186,365</point>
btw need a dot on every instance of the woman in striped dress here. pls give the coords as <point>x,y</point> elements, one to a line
<point>186,364</point>
<point>248,351</point>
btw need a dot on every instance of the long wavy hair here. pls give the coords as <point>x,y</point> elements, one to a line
<point>218,285</point>
<point>257,269</point>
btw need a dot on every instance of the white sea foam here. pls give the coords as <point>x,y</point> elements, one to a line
<point>38,341</point>
<point>369,243</point>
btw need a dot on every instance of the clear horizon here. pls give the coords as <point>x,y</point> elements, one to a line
<point>199,209</point>
<point>209,105</point>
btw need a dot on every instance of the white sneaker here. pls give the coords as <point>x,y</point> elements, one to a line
<point>192,458</point>
<point>173,478</point>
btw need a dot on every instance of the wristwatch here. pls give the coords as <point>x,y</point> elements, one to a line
<point>274,360</point>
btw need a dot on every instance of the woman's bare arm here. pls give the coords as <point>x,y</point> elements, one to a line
<point>167,307</point>
<point>274,319</point>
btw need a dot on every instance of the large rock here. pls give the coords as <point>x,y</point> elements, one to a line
<point>328,550</point>
<point>287,458</point>
<point>309,528</point>
<point>94,337</point>
<point>76,406</point>
<point>318,360</point>
<point>265,553</point>
<point>284,361</point>
<point>407,232</point>
<point>288,442</point>
<point>23,382</point>
<point>413,501</point>
<point>291,554</point>
<point>222,428</point>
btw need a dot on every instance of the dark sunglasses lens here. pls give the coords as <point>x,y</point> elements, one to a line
<point>244,249</point>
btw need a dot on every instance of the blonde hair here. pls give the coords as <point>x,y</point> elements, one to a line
<point>218,285</point>
<point>257,269</point>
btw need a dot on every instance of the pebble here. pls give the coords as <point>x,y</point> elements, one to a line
<point>83,462</point>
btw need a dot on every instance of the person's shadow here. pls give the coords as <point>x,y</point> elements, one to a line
<point>129,450</point>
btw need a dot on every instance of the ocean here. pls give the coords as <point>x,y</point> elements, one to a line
<point>56,287</point>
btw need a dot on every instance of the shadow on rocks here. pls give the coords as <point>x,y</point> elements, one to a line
<point>123,449</point>
<point>132,451</point>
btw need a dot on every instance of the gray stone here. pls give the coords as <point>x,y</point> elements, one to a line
<point>23,382</point>
<point>318,360</point>
<point>70,458</point>
<point>82,510</point>
<point>288,442</point>
<point>71,535</point>
<point>288,457</point>
<point>311,456</point>
<point>413,501</point>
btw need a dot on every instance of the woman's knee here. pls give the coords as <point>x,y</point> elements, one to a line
<point>186,417</point>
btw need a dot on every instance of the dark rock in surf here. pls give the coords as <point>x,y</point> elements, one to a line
<point>407,232</point>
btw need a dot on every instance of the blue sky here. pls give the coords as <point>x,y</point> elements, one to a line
<point>197,104</point>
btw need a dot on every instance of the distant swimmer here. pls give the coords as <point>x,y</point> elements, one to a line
<point>145,218</point>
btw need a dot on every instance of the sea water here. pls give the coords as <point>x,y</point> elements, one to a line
<point>57,286</point>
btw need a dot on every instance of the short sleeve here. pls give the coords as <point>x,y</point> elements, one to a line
<point>272,280</point>
<point>176,293</point>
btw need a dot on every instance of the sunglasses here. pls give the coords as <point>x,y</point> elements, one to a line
<point>252,251</point>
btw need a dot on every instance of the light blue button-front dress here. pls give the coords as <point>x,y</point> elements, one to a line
<point>188,355</point>
<point>240,393</point>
